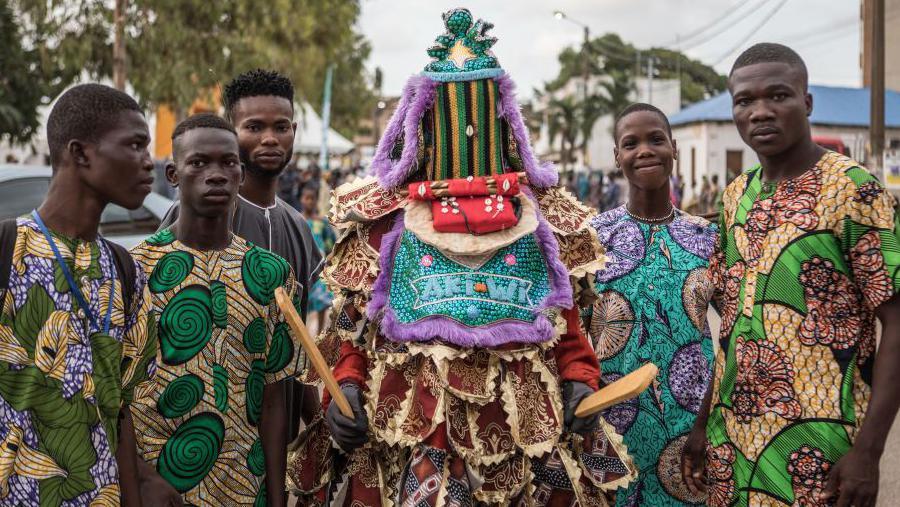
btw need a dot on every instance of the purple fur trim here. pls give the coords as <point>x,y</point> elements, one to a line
<point>540,174</point>
<point>381,291</point>
<point>381,162</point>
<point>457,333</point>
<point>450,331</point>
<point>560,286</point>
<point>418,97</point>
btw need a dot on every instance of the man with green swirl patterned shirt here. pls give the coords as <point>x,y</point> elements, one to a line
<point>213,429</point>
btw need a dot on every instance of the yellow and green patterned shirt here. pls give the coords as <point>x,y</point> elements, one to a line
<point>222,340</point>
<point>800,269</point>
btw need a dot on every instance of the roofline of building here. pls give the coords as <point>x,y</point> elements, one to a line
<point>814,124</point>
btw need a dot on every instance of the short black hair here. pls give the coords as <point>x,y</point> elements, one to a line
<point>770,52</point>
<point>256,83</point>
<point>200,121</point>
<point>85,112</point>
<point>636,108</point>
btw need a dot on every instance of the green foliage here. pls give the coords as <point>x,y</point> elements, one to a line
<point>21,89</point>
<point>611,65</point>
<point>609,55</point>
<point>182,50</point>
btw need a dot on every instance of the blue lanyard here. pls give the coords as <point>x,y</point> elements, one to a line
<point>71,279</point>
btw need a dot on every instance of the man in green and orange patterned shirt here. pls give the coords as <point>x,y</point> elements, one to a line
<point>214,425</point>
<point>808,256</point>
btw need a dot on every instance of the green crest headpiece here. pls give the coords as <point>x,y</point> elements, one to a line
<point>463,52</point>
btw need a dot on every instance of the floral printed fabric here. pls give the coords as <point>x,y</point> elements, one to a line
<point>63,382</point>
<point>222,340</point>
<point>800,268</point>
<point>654,294</point>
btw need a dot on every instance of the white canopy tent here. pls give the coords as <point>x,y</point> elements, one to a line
<point>308,139</point>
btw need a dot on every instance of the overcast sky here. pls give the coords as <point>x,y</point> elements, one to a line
<point>826,33</point>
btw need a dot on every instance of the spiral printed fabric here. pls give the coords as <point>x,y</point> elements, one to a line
<point>222,340</point>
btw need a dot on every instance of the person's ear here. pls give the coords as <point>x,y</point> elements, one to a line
<point>616,155</point>
<point>809,103</point>
<point>78,151</point>
<point>674,150</point>
<point>171,173</point>
<point>243,173</point>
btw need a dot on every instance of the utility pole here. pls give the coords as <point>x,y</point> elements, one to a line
<point>119,44</point>
<point>585,62</point>
<point>650,62</point>
<point>876,80</point>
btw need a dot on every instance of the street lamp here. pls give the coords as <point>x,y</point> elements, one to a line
<point>560,15</point>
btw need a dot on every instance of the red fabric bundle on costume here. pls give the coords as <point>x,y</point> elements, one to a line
<point>471,205</point>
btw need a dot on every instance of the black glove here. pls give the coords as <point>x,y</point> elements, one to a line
<point>348,433</point>
<point>573,393</point>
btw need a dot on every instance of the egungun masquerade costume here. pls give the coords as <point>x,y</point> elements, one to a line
<point>455,325</point>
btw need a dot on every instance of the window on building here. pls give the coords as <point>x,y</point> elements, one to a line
<point>734,164</point>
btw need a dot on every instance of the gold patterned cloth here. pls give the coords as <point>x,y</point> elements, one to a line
<point>451,425</point>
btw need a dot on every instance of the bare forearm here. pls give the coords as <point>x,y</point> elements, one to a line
<point>273,430</point>
<point>126,457</point>
<point>885,399</point>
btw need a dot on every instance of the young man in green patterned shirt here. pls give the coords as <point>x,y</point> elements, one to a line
<point>214,425</point>
<point>808,257</point>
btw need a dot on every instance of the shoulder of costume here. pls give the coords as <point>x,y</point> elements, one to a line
<point>579,248</point>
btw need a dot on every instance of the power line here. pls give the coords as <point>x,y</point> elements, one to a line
<point>717,20</point>
<point>724,28</point>
<point>751,33</point>
<point>824,37</point>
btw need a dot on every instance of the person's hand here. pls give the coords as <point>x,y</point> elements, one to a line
<point>853,480</point>
<point>157,492</point>
<point>348,433</point>
<point>573,393</point>
<point>693,461</point>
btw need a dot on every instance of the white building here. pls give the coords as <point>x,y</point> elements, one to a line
<point>708,142</point>
<point>665,94</point>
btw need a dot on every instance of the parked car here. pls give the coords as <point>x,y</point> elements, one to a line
<point>23,187</point>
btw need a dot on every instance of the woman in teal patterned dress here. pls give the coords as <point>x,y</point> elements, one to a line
<point>652,308</point>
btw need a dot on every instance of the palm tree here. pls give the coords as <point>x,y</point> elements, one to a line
<point>563,121</point>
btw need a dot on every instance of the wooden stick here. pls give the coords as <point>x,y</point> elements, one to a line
<point>312,351</point>
<point>623,389</point>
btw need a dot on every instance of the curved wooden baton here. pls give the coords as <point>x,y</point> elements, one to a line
<point>623,389</point>
<point>312,351</point>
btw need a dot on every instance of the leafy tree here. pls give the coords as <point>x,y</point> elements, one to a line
<point>26,79</point>
<point>611,67</point>
<point>182,50</point>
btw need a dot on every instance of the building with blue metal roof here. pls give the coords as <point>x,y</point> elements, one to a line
<point>709,144</point>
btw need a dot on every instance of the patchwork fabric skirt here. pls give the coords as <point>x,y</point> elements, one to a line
<point>453,426</point>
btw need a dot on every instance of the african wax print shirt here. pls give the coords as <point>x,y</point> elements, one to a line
<point>63,381</point>
<point>222,340</point>
<point>800,267</point>
<point>654,293</point>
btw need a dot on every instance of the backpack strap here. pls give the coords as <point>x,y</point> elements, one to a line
<point>7,245</point>
<point>125,270</point>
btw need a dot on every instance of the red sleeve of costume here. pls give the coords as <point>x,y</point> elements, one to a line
<point>574,354</point>
<point>351,366</point>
